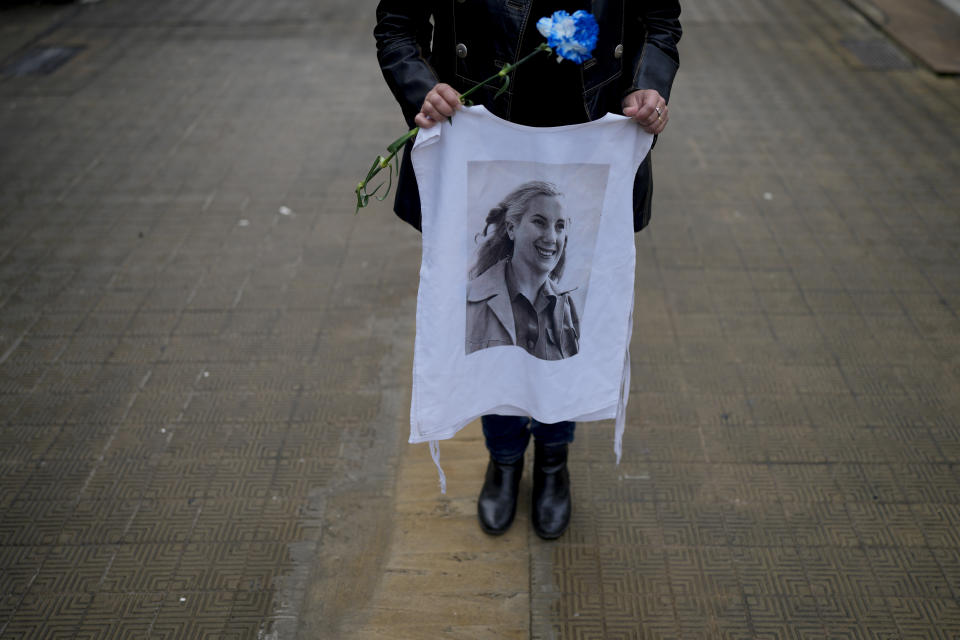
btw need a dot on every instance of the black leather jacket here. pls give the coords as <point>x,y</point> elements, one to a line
<point>462,42</point>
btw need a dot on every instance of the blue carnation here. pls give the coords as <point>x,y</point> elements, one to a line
<point>571,36</point>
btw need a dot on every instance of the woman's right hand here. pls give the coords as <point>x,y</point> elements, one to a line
<point>440,103</point>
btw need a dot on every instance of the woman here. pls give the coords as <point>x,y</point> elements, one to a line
<point>513,297</point>
<point>429,52</point>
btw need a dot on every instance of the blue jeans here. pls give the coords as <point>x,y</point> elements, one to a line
<point>507,436</point>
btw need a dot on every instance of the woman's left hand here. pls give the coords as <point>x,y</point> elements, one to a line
<point>648,108</point>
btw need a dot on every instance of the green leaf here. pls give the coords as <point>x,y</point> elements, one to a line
<point>389,184</point>
<point>374,170</point>
<point>362,200</point>
<point>394,146</point>
<point>503,87</point>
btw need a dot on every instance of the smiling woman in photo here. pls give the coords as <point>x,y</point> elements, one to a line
<point>513,297</point>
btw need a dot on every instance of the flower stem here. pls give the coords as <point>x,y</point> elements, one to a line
<point>504,71</point>
<point>363,195</point>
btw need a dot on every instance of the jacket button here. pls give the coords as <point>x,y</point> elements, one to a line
<point>618,51</point>
<point>461,50</point>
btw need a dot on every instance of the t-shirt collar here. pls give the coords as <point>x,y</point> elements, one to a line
<point>545,294</point>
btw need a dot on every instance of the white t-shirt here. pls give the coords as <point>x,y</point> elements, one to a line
<point>492,342</point>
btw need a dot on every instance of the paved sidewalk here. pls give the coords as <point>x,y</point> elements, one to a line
<point>928,29</point>
<point>204,354</point>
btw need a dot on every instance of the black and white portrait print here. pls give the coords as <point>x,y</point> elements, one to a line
<point>532,230</point>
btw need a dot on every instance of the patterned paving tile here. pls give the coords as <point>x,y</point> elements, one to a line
<point>200,397</point>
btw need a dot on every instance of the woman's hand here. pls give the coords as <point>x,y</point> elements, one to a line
<point>440,103</point>
<point>648,108</point>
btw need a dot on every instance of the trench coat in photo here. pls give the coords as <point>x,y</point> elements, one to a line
<point>490,321</point>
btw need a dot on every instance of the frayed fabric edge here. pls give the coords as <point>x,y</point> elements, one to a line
<point>435,454</point>
<point>621,422</point>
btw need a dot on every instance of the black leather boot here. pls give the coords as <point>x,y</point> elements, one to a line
<point>497,504</point>
<point>551,491</point>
